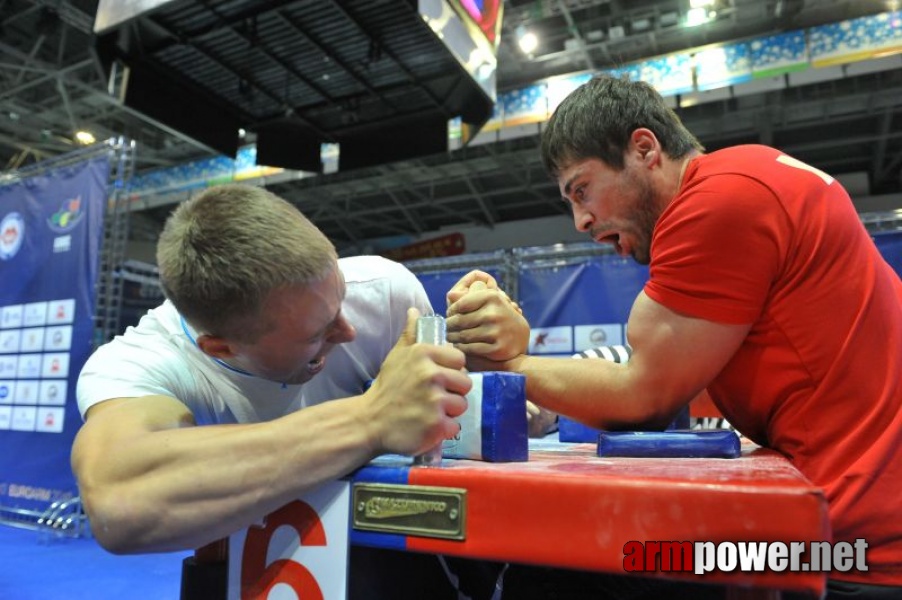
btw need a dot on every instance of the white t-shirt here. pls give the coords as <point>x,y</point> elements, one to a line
<point>159,357</point>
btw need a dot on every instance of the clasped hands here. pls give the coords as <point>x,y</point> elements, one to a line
<point>485,323</point>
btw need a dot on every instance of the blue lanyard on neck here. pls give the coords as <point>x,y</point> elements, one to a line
<point>222,362</point>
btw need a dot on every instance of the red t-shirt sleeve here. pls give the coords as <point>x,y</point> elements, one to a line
<point>718,248</point>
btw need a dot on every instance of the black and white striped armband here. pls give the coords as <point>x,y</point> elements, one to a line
<point>617,353</point>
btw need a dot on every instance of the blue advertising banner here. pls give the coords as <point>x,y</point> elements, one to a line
<point>50,235</point>
<point>582,304</point>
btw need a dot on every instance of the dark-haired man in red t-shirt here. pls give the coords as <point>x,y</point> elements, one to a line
<point>765,289</point>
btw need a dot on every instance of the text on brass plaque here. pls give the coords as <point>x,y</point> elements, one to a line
<point>425,511</point>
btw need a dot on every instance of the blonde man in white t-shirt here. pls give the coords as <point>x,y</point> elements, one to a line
<point>262,325</point>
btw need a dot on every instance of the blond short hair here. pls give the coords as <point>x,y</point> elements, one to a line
<point>222,252</point>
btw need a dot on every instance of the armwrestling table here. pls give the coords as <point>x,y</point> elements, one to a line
<point>568,508</point>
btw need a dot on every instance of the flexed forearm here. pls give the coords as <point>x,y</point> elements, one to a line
<point>149,489</point>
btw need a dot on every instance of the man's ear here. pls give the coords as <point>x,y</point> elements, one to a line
<point>646,145</point>
<point>214,346</point>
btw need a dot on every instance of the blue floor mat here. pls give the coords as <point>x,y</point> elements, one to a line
<point>33,567</point>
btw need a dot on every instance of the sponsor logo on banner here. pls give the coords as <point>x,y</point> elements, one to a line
<point>62,243</point>
<point>8,366</point>
<point>10,340</point>
<point>60,311</point>
<point>12,232</point>
<point>35,314</point>
<point>598,334</point>
<point>32,340</point>
<point>551,340</point>
<point>68,215</point>
<point>11,316</point>
<point>6,391</point>
<point>50,420</point>
<point>24,418</point>
<point>52,392</point>
<point>26,392</point>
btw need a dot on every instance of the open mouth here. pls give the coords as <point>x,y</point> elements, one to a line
<point>316,365</point>
<point>608,238</point>
<point>613,239</point>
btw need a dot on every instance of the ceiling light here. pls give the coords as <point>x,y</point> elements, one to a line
<point>697,16</point>
<point>85,137</point>
<point>700,3</point>
<point>527,40</point>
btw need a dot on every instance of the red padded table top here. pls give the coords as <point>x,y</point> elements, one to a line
<point>567,507</point>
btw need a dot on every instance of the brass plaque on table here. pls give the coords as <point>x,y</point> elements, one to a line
<point>420,510</point>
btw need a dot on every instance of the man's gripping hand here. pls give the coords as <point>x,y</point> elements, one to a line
<point>419,391</point>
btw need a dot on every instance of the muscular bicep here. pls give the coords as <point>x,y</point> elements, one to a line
<point>676,356</point>
<point>150,413</point>
<point>109,423</point>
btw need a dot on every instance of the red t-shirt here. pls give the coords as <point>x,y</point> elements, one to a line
<point>754,236</point>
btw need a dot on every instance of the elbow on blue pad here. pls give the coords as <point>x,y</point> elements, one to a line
<point>713,443</point>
